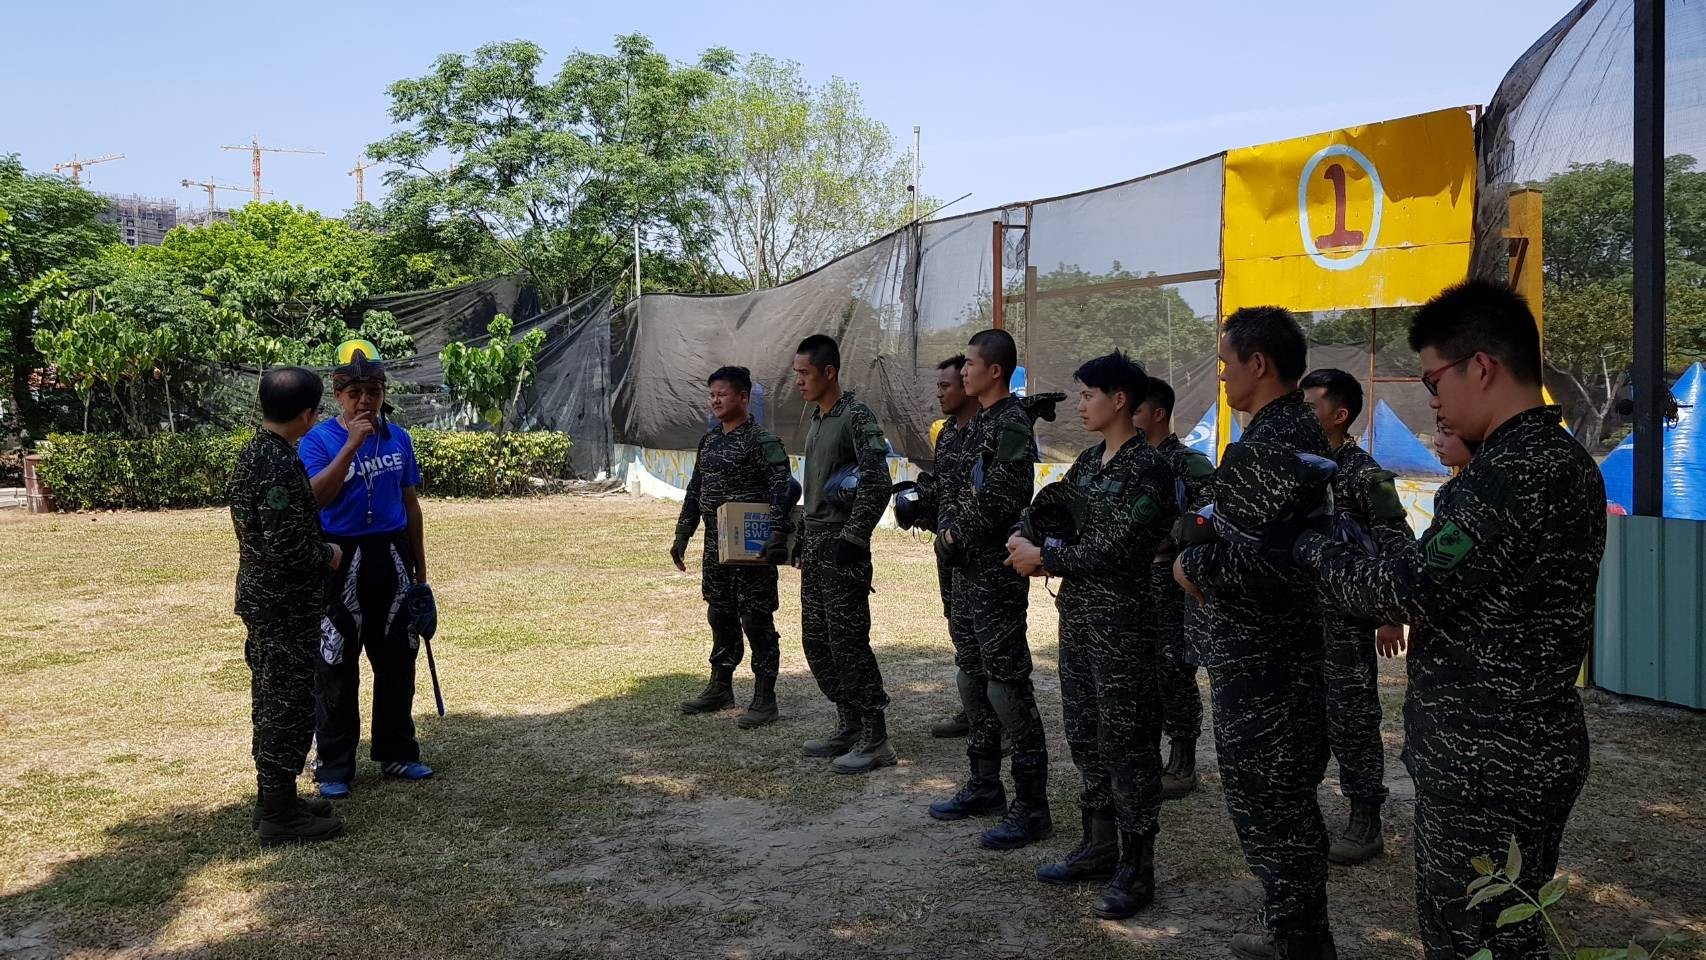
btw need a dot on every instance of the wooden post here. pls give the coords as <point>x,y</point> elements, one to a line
<point>996,309</point>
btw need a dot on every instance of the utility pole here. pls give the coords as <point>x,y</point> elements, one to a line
<point>917,169</point>
<point>255,150</point>
<point>1649,257</point>
<point>636,260</point>
<point>357,174</point>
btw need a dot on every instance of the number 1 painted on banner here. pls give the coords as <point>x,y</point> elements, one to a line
<point>1340,237</point>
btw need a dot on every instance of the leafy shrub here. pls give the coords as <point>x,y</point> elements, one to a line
<point>192,469</point>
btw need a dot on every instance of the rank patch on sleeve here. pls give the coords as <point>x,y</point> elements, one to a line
<point>1447,548</point>
<point>1144,510</point>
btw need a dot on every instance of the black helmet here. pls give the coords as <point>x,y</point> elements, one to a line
<point>1261,484</point>
<point>842,486</point>
<point>794,492</point>
<point>1056,514</point>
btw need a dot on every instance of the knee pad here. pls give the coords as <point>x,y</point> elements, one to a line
<point>1008,699</point>
<point>971,690</point>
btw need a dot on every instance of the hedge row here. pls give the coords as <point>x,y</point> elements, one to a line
<point>87,472</point>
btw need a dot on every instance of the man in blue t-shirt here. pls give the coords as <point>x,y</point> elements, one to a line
<point>364,475</point>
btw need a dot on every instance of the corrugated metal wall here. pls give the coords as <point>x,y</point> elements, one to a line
<point>1650,629</point>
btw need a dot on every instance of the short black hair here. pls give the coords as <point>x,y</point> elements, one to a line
<point>287,391</point>
<point>1480,316</point>
<point>821,351</point>
<point>1272,332</point>
<point>740,378</point>
<point>1115,373</point>
<point>1160,394</point>
<point>1340,387</point>
<point>957,361</point>
<point>997,346</point>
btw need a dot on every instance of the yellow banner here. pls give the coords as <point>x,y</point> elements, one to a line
<point>1373,216</point>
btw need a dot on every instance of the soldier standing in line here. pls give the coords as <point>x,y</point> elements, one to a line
<point>281,572</point>
<point>1263,645</point>
<point>835,561</point>
<point>1122,489</point>
<point>738,462</point>
<point>1500,591</point>
<point>999,463</point>
<point>958,407</point>
<point>1176,679</point>
<point>1368,510</point>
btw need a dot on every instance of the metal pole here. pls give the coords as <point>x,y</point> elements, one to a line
<point>636,261</point>
<point>995,314</point>
<point>1649,365</point>
<point>1373,350</point>
<point>917,170</point>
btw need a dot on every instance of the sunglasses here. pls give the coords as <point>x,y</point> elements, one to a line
<point>1430,380</point>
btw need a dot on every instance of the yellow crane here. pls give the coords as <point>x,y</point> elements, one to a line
<point>210,185</point>
<point>255,150</point>
<point>76,165</point>
<point>357,173</point>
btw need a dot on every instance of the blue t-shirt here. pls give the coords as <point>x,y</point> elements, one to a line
<point>375,481</point>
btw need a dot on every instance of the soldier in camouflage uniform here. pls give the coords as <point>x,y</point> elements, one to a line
<point>1176,677</point>
<point>1263,644</point>
<point>1108,656</point>
<point>1369,513</point>
<point>958,408</point>
<point>281,570</point>
<point>1500,594</point>
<point>992,484</point>
<point>738,462</point>
<point>835,560</point>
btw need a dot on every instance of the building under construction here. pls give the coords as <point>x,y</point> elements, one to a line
<point>140,220</point>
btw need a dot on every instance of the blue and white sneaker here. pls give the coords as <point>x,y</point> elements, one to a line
<point>334,790</point>
<point>413,770</point>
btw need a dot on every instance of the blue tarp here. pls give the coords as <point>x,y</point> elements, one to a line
<point>1685,468</point>
<point>1201,437</point>
<point>1399,450</point>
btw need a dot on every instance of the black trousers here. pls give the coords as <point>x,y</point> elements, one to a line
<point>366,612</point>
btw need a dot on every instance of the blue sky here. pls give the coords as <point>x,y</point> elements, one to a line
<point>1017,101</point>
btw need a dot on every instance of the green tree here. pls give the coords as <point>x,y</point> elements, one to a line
<point>558,173</point>
<point>49,225</point>
<point>1589,264</point>
<point>490,378</point>
<point>810,177</point>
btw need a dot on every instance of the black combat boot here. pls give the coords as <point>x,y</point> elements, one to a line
<point>762,710</point>
<point>982,795</point>
<point>1286,946</point>
<point>719,693</point>
<point>1133,885</point>
<point>1362,840</point>
<point>1180,776</point>
<point>949,729</point>
<point>847,730</point>
<point>1027,819</point>
<point>318,806</point>
<point>1093,860</point>
<point>872,750</point>
<point>285,820</point>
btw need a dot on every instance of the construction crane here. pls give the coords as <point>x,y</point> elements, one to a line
<point>357,174</point>
<point>255,149</point>
<point>76,166</point>
<point>210,186</point>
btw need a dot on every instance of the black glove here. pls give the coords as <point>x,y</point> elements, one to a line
<point>847,553</point>
<point>951,554</point>
<point>678,553</point>
<point>776,548</point>
<point>423,611</point>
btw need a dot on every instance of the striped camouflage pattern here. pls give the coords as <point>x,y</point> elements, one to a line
<point>1176,676</point>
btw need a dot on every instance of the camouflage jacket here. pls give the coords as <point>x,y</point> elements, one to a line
<point>848,433</point>
<point>1366,494</point>
<point>281,556</point>
<point>1000,445</point>
<point>1129,505</point>
<point>1254,607</point>
<point>1501,590</point>
<point>743,465</point>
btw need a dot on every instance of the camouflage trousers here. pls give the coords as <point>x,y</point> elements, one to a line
<point>281,654</point>
<point>835,623</point>
<point>988,625</point>
<point>1449,834</point>
<point>1353,708</point>
<point>1107,694</point>
<point>739,599</point>
<point>1176,676</point>
<point>1270,733</point>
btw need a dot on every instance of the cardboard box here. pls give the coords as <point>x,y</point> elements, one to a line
<point>742,529</point>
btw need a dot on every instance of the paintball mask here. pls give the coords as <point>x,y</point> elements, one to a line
<point>1056,516</point>
<point>911,508</point>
